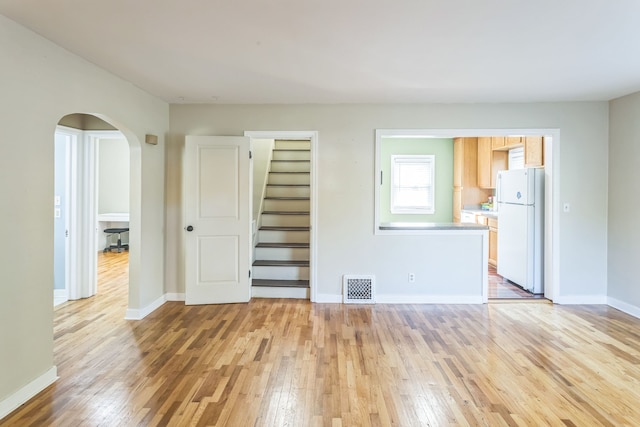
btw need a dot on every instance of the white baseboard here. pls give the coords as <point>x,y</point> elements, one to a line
<point>328,299</point>
<point>408,299</point>
<point>172,296</point>
<point>581,299</point>
<point>277,292</point>
<point>60,296</point>
<point>429,299</point>
<point>12,402</point>
<point>139,314</point>
<point>625,307</point>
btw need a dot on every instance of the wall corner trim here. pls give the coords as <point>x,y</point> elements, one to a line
<point>12,402</point>
<point>141,313</point>
<point>625,307</point>
<point>171,296</point>
<point>581,299</point>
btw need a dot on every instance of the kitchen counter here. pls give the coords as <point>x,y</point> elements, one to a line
<point>432,226</point>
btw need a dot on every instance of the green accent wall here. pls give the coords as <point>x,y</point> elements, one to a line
<point>442,148</point>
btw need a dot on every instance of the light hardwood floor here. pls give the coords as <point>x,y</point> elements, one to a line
<point>294,363</point>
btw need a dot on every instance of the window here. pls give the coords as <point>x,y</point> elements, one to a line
<point>412,184</point>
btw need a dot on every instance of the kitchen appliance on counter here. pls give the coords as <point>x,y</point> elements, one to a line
<point>520,197</point>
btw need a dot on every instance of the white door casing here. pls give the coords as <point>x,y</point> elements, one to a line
<point>218,220</point>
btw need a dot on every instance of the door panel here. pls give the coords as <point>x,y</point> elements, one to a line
<point>217,196</point>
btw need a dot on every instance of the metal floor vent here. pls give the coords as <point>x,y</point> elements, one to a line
<point>358,289</point>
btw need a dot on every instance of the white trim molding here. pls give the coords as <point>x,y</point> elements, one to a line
<point>21,396</point>
<point>625,307</point>
<point>60,296</point>
<point>581,299</point>
<point>141,313</point>
<point>174,296</point>
<point>429,299</point>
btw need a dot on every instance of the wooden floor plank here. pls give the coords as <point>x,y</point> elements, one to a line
<point>290,362</point>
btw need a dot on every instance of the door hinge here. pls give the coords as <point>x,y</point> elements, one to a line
<point>250,155</point>
<point>249,274</point>
<point>380,177</point>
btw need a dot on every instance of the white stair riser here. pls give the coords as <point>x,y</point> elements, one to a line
<point>285,220</point>
<point>280,273</point>
<point>291,155</point>
<point>282,254</point>
<point>288,191</point>
<point>276,292</point>
<point>290,166</point>
<point>278,236</point>
<point>289,178</point>
<point>282,144</point>
<point>281,205</point>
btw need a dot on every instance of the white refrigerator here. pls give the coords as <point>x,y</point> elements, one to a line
<point>520,198</point>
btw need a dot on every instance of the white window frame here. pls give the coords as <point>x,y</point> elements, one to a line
<point>397,160</point>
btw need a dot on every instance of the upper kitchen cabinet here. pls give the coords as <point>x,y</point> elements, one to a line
<point>513,141</point>
<point>497,142</point>
<point>533,151</point>
<point>489,162</point>
<point>533,148</point>
<point>465,176</point>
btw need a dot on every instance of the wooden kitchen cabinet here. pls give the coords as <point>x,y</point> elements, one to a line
<point>493,241</point>
<point>489,162</point>
<point>497,142</point>
<point>493,237</point>
<point>457,204</point>
<point>465,176</point>
<point>513,141</point>
<point>533,151</point>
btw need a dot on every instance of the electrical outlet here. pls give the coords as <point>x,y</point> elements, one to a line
<point>412,278</point>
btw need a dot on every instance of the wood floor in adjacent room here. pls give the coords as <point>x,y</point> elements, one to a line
<point>294,363</point>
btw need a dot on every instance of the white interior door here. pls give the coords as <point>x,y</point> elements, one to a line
<point>218,221</point>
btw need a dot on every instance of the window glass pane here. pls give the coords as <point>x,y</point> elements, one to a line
<point>412,184</point>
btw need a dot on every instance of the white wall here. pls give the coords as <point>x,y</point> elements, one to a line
<point>624,204</point>
<point>346,243</point>
<point>113,176</point>
<point>41,83</point>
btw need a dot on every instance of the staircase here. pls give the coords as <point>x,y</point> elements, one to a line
<point>281,266</point>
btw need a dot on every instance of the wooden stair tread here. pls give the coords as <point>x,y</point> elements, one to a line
<point>288,185</point>
<point>281,283</point>
<point>277,263</point>
<point>282,245</point>
<point>292,172</point>
<point>287,198</point>
<point>285,213</point>
<point>283,228</point>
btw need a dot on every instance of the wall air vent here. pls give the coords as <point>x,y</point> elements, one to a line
<point>358,289</point>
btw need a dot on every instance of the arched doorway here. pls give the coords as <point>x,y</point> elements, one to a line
<point>78,209</point>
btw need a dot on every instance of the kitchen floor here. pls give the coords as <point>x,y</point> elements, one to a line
<point>501,288</point>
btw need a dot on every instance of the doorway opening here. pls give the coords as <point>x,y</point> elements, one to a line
<point>93,190</point>
<point>284,214</point>
<point>482,194</point>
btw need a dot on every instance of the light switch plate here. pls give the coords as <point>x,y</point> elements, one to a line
<point>57,213</point>
<point>56,200</point>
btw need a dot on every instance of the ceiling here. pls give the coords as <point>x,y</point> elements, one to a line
<point>352,51</point>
